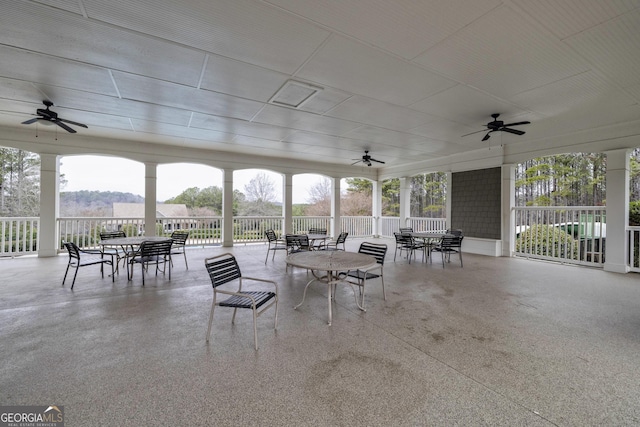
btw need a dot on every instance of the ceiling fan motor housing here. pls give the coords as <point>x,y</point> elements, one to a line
<point>495,125</point>
<point>47,114</point>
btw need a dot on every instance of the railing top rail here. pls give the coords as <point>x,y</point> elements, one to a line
<point>19,218</point>
<point>261,217</point>
<point>564,208</point>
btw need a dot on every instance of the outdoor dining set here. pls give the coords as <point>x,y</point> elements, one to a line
<point>117,248</point>
<point>325,258</point>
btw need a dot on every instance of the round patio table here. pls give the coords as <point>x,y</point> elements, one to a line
<point>132,243</point>
<point>332,262</point>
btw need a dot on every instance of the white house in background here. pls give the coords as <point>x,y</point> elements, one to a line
<point>136,210</point>
<point>176,214</point>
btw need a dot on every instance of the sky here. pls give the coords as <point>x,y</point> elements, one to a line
<point>104,173</point>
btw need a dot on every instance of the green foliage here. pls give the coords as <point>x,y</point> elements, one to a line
<point>359,185</point>
<point>207,233</point>
<point>19,183</point>
<point>209,198</point>
<point>298,210</point>
<point>428,194</point>
<point>391,197</point>
<point>547,240</point>
<point>634,213</point>
<point>130,230</point>
<point>20,237</point>
<point>573,179</point>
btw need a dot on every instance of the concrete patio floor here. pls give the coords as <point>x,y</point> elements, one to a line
<point>502,341</point>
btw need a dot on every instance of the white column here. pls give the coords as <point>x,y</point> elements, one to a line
<point>48,243</point>
<point>336,221</point>
<point>227,207</point>
<point>617,211</point>
<point>447,207</point>
<point>376,207</point>
<point>150,196</point>
<point>508,203</point>
<point>405,200</point>
<point>287,203</point>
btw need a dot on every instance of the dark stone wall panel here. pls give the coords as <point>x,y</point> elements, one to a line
<point>476,201</point>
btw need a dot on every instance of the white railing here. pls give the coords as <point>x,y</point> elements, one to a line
<point>18,236</point>
<point>423,225</point>
<point>633,259</point>
<point>357,226</point>
<point>389,225</point>
<point>250,229</point>
<point>302,224</point>
<point>537,231</point>
<point>85,232</point>
<point>567,234</point>
<point>574,235</point>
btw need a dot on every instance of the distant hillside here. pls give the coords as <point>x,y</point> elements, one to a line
<point>93,203</point>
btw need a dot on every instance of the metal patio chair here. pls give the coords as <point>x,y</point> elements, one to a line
<point>224,269</point>
<point>406,242</point>
<point>378,251</point>
<point>334,245</point>
<point>449,244</point>
<point>151,253</point>
<point>120,253</point>
<point>297,243</point>
<point>275,244</point>
<point>85,257</point>
<point>179,245</point>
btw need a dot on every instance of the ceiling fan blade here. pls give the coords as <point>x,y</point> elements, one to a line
<point>73,123</point>
<point>478,131</point>
<point>517,124</point>
<point>487,136</point>
<point>514,131</point>
<point>356,162</point>
<point>379,161</point>
<point>65,127</point>
<point>28,122</point>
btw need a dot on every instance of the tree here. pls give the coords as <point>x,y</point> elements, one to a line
<point>390,195</point>
<point>358,200</point>
<point>19,183</point>
<point>428,192</point>
<point>260,189</point>
<point>320,191</point>
<point>205,202</point>
<point>260,197</point>
<point>320,198</point>
<point>574,179</point>
<point>188,198</point>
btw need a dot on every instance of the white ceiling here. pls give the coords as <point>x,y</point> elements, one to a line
<point>405,79</point>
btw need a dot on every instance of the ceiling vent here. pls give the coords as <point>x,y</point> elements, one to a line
<point>294,94</point>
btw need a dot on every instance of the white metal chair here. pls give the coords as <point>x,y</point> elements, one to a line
<point>223,269</point>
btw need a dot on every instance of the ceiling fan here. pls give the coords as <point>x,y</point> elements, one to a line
<point>46,116</point>
<point>366,159</point>
<point>499,126</point>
